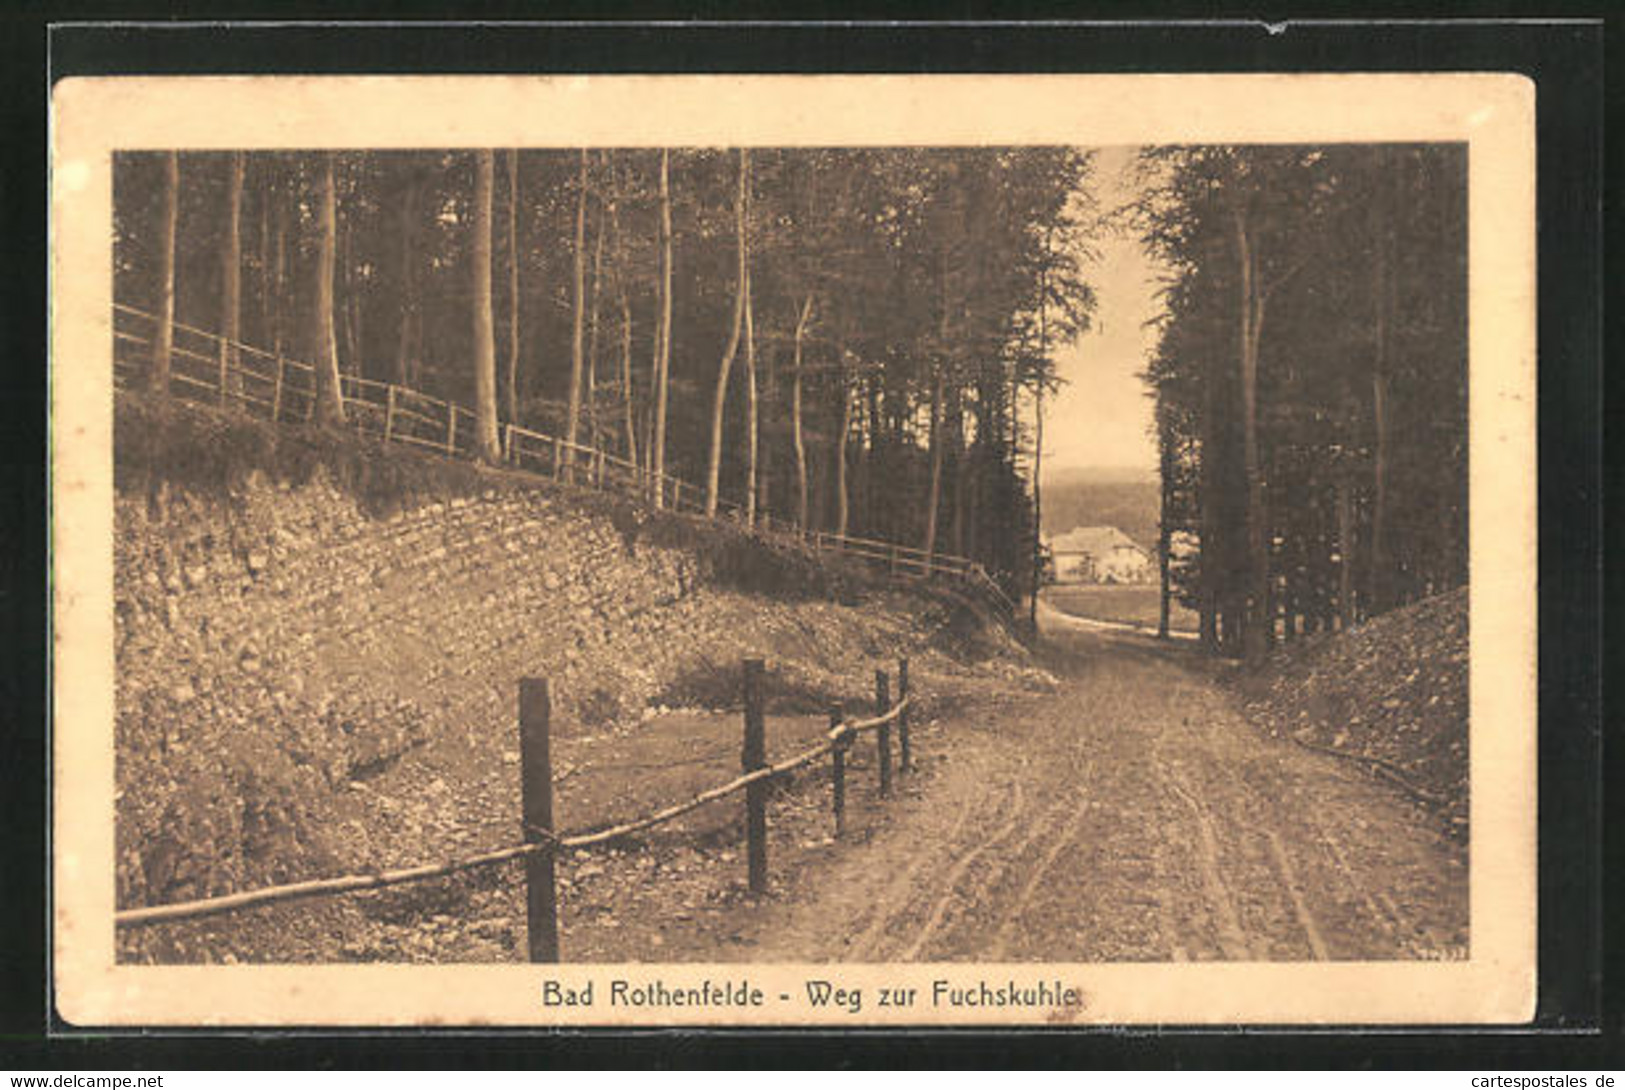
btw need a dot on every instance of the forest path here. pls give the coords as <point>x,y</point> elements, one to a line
<point>1132,815</point>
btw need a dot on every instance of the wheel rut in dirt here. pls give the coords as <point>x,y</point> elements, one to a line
<point>1131,815</point>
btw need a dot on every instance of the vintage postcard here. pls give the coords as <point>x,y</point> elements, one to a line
<point>839,551</point>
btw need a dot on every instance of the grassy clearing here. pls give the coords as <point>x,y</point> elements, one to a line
<point>1137,605</point>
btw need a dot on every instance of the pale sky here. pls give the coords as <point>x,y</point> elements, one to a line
<point>1102,416</point>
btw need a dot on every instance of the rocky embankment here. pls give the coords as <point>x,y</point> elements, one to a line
<point>318,651</point>
<point>1392,691</point>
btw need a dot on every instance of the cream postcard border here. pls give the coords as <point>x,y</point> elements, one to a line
<point>1493,113</point>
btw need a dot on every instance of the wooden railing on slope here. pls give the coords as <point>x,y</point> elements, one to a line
<point>208,368</point>
<point>541,844</point>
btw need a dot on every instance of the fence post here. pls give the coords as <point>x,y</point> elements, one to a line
<point>389,413</point>
<point>276,391</point>
<point>883,733</point>
<point>902,716</point>
<point>451,428</point>
<point>754,757</point>
<point>558,457</point>
<point>838,773</point>
<point>536,777</point>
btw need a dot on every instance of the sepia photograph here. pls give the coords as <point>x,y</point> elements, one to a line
<point>789,565</point>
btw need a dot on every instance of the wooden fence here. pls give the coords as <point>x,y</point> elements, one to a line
<point>208,368</point>
<point>541,843</point>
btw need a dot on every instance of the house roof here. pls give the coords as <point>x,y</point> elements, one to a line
<point>1097,541</point>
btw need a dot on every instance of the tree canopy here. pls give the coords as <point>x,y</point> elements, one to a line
<point>1311,379</point>
<point>899,306</point>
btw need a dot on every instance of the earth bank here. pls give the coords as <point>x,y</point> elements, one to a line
<point>319,643</point>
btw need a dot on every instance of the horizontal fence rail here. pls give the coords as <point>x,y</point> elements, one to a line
<point>542,844</point>
<point>208,368</point>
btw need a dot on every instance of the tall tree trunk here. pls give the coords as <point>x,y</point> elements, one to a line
<point>624,305</point>
<point>1378,577</point>
<point>752,438</point>
<point>662,360</point>
<point>843,431</point>
<point>626,377</point>
<point>1345,553</point>
<point>1038,433</point>
<point>276,286</point>
<point>163,341</point>
<point>975,531</point>
<point>719,401</point>
<point>329,395</point>
<point>1165,458</point>
<point>263,333</point>
<point>231,281</point>
<point>934,494</point>
<point>510,385</point>
<point>592,332</point>
<point>770,398</point>
<point>358,329</point>
<point>796,438</point>
<point>486,439</point>
<point>876,522</point>
<point>352,347</point>
<point>577,319</point>
<point>408,281</point>
<point>1208,485</point>
<point>1038,502</point>
<point>1251,311</point>
<point>962,505</point>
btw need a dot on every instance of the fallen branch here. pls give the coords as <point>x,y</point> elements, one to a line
<point>1388,770</point>
<point>859,726</point>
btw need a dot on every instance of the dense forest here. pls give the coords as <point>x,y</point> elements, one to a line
<point>1310,381</point>
<point>855,340</point>
<point>861,340</point>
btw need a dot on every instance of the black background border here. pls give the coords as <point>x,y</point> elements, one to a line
<point>1578,1022</point>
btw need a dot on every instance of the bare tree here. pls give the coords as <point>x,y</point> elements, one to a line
<point>1251,307</point>
<point>623,298</point>
<point>662,360</point>
<point>511,385</point>
<point>329,394</point>
<point>752,444</point>
<point>487,443</point>
<point>163,341</point>
<point>933,497</point>
<point>796,438</point>
<point>408,278</point>
<point>578,318</point>
<point>231,279</point>
<point>720,400</point>
<point>1383,305</point>
<point>593,307</point>
<point>842,432</point>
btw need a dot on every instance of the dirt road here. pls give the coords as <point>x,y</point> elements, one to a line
<point>1130,816</point>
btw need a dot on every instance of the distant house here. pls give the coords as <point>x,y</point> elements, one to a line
<point>1099,554</point>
